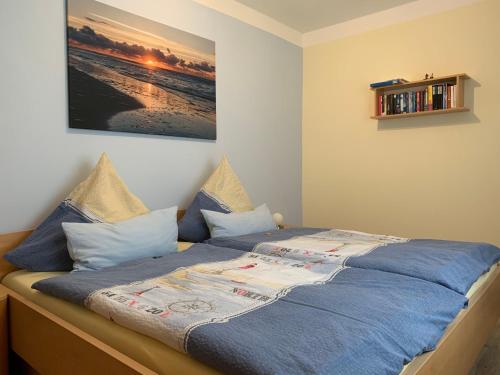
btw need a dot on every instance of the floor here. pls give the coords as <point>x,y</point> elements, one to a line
<point>489,359</point>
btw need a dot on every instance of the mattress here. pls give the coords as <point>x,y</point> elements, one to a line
<point>145,350</point>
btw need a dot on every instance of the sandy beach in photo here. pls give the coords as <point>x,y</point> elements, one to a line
<point>93,103</point>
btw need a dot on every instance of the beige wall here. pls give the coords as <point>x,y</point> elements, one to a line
<point>434,176</point>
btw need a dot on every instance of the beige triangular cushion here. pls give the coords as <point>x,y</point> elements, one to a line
<point>225,187</point>
<point>104,195</point>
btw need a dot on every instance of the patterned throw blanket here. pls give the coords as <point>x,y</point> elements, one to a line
<point>258,313</point>
<point>217,292</point>
<point>333,246</point>
<point>453,264</point>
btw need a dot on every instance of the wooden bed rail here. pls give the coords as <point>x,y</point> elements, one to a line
<point>8,242</point>
<point>53,346</point>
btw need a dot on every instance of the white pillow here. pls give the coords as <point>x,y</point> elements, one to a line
<point>93,246</point>
<point>239,223</point>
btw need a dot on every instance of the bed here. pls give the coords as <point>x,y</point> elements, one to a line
<point>89,347</point>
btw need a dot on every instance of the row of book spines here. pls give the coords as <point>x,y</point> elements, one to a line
<point>434,97</point>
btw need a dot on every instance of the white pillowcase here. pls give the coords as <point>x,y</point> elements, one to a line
<point>239,223</point>
<point>94,246</point>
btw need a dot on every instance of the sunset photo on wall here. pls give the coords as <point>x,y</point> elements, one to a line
<point>130,74</point>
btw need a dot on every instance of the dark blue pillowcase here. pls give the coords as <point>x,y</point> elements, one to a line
<point>46,250</point>
<point>192,227</point>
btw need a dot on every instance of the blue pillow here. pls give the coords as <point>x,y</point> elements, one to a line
<point>192,226</point>
<point>102,197</point>
<point>239,223</point>
<point>93,246</point>
<point>45,250</point>
<point>222,192</point>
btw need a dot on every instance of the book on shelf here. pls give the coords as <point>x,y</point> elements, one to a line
<point>431,98</point>
<point>390,82</point>
<point>448,96</point>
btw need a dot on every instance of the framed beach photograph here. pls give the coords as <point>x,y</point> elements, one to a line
<point>130,74</point>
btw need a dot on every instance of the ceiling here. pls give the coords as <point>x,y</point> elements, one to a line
<point>309,15</point>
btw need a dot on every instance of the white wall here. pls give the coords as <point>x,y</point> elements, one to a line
<point>259,88</point>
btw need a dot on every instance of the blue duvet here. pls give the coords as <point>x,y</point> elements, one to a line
<point>455,265</point>
<point>248,313</point>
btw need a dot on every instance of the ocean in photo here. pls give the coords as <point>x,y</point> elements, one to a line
<point>108,93</point>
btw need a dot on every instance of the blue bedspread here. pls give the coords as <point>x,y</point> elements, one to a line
<point>247,313</point>
<point>456,265</point>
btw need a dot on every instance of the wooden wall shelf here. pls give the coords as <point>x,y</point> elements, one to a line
<point>456,79</point>
<point>418,114</point>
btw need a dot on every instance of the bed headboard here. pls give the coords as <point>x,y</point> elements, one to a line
<point>8,241</point>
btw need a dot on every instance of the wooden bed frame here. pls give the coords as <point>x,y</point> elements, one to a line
<point>49,345</point>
